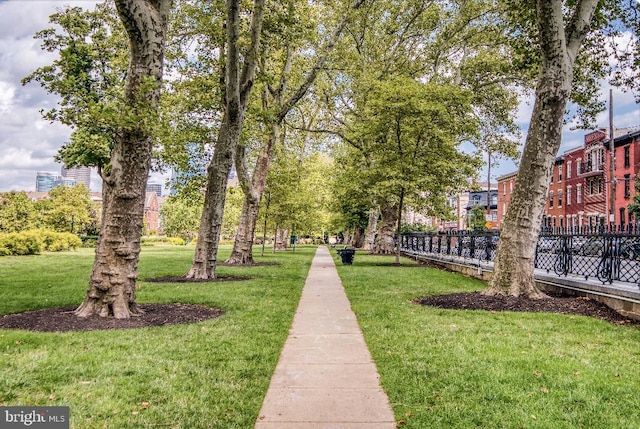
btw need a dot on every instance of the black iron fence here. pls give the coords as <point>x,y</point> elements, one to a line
<point>606,254</point>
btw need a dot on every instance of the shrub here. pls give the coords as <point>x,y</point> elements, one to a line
<point>22,243</point>
<point>89,240</point>
<point>58,241</point>
<point>176,241</point>
<point>152,241</point>
<point>35,241</point>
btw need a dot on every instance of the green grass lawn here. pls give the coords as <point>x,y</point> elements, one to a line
<point>468,369</point>
<point>212,374</point>
<point>441,368</point>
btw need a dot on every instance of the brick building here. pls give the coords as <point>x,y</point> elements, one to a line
<point>581,183</point>
<point>505,189</point>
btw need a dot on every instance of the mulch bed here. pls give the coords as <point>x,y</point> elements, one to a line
<point>63,319</point>
<point>182,279</point>
<point>553,304</point>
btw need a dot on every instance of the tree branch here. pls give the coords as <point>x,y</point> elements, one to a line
<point>304,87</point>
<point>579,26</point>
<point>249,69</point>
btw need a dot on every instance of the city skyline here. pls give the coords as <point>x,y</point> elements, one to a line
<point>29,143</point>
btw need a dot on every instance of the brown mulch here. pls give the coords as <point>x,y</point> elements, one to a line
<point>182,279</point>
<point>253,264</point>
<point>553,304</point>
<point>63,319</point>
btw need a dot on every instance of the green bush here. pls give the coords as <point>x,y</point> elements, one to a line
<point>152,241</point>
<point>89,240</point>
<point>177,241</point>
<point>35,241</point>
<point>59,241</point>
<point>22,243</point>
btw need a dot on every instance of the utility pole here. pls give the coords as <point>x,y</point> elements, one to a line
<point>612,165</point>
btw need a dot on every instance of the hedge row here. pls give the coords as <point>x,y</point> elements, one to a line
<point>35,241</point>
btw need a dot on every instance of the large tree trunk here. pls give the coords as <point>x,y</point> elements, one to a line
<point>386,230</point>
<point>514,263</point>
<point>115,269</point>
<point>357,239</point>
<point>238,86</point>
<point>281,239</point>
<point>206,252</point>
<point>242,253</point>
<point>372,227</point>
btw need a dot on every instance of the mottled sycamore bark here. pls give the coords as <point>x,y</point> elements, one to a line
<point>386,230</point>
<point>238,86</point>
<point>372,227</point>
<point>559,46</point>
<point>113,280</point>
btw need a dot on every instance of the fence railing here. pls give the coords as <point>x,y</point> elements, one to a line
<point>594,252</point>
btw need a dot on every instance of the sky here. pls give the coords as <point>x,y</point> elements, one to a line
<point>28,143</point>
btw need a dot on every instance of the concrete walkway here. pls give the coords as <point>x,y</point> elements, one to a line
<point>325,377</point>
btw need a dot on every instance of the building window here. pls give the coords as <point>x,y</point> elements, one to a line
<point>504,188</point>
<point>551,200</point>
<point>627,186</point>
<point>622,216</point>
<point>559,198</point>
<point>511,186</point>
<point>627,156</point>
<point>579,194</point>
<point>569,170</point>
<point>568,195</point>
<point>560,173</point>
<point>579,165</point>
<point>504,208</point>
<point>494,215</point>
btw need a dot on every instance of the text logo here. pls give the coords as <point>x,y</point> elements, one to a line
<point>34,417</point>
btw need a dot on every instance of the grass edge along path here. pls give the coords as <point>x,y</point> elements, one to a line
<point>462,369</point>
<point>212,374</point>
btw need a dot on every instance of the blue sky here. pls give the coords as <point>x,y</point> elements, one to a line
<point>28,143</point>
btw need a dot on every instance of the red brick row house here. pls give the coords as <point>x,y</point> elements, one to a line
<point>581,182</point>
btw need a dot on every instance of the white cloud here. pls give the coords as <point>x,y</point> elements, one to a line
<point>7,94</point>
<point>27,142</point>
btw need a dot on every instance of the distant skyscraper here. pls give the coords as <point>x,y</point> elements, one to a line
<point>45,181</point>
<point>64,181</point>
<point>155,187</point>
<point>82,175</point>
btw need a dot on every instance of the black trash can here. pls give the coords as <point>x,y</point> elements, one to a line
<point>347,256</point>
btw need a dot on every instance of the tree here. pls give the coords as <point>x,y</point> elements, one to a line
<point>180,215</point>
<point>17,212</point>
<point>113,279</point>
<point>405,148</point>
<point>88,76</point>
<point>477,218</point>
<point>277,101</point>
<point>561,30</point>
<point>67,209</point>
<point>460,44</point>
<point>238,84</point>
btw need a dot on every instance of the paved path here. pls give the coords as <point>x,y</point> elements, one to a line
<point>325,377</point>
